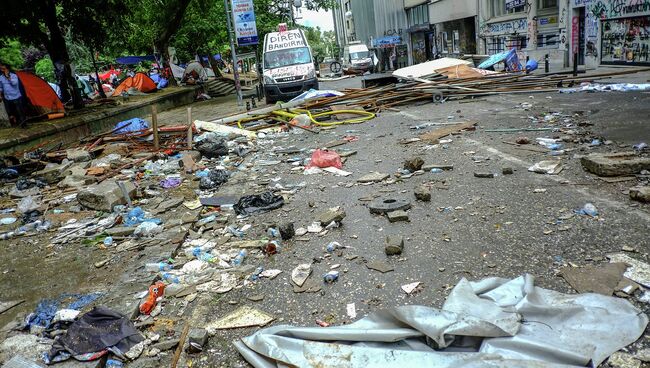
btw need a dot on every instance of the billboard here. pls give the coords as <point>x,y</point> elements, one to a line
<point>243,15</point>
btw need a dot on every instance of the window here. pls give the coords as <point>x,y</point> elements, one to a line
<point>498,8</point>
<point>547,4</point>
<point>548,40</point>
<point>418,15</point>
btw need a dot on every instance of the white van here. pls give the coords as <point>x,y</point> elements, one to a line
<point>357,59</point>
<point>287,66</point>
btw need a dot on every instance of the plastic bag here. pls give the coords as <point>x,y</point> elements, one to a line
<point>214,179</point>
<point>147,228</point>
<point>211,146</point>
<point>258,203</point>
<point>324,158</point>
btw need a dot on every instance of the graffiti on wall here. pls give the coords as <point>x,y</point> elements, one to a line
<point>619,8</point>
<point>511,26</point>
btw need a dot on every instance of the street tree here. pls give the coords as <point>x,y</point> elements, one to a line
<point>45,23</point>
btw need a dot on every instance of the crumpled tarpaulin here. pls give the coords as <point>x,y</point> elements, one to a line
<point>490,323</point>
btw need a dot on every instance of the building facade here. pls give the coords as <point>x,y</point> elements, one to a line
<point>609,32</point>
<point>343,23</point>
<point>535,28</point>
<point>455,23</point>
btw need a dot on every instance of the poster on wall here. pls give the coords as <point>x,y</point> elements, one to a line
<point>243,15</point>
<point>626,41</point>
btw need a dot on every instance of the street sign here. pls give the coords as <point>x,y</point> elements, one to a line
<point>243,15</point>
<point>512,4</point>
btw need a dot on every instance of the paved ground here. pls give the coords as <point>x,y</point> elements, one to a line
<point>473,227</point>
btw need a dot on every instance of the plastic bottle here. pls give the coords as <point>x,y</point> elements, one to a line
<point>239,259</point>
<point>7,236</point>
<point>331,276</point>
<point>157,267</point>
<point>273,232</point>
<point>108,240</point>
<point>436,170</point>
<point>272,247</point>
<point>332,246</point>
<point>234,231</point>
<point>172,279</point>
<point>192,252</point>
<point>206,220</point>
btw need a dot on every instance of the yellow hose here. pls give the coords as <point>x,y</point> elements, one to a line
<point>290,114</point>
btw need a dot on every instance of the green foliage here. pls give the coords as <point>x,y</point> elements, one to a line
<point>11,54</point>
<point>45,69</point>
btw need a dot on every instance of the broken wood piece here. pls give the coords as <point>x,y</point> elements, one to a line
<point>434,136</point>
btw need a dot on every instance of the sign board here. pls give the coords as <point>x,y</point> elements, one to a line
<point>284,40</point>
<point>243,15</point>
<point>575,34</point>
<point>511,4</point>
<point>387,41</point>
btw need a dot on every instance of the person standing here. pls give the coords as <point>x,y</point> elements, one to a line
<point>11,95</point>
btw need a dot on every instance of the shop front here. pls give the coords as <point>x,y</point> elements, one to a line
<point>611,32</point>
<point>391,52</point>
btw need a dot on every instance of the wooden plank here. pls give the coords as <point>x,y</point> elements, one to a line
<point>434,136</point>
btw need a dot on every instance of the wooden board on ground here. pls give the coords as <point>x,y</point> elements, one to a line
<point>433,136</point>
<point>429,67</point>
<point>459,71</point>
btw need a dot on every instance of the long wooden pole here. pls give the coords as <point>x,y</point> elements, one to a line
<point>154,126</point>
<point>189,128</point>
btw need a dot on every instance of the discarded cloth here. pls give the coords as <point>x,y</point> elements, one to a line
<point>94,334</point>
<point>494,322</point>
<point>170,183</point>
<point>258,203</point>
<point>47,308</point>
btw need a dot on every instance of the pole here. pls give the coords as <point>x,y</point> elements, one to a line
<point>575,64</point>
<point>235,72</point>
<point>546,64</point>
<point>154,126</point>
<point>99,82</point>
<point>189,129</point>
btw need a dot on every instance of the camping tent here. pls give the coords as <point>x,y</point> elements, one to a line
<point>194,67</point>
<point>139,81</point>
<point>41,98</point>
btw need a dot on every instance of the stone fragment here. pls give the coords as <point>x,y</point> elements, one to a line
<point>397,216</point>
<point>287,230</point>
<point>120,231</point>
<point>643,355</point>
<point>413,164</point>
<point>641,194</point>
<point>54,173</point>
<point>422,193</point>
<point>483,175</point>
<point>615,164</point>
<point>373,177</point>
<point>394,245</point>
<point>78,155</point>
<point>104,196</point>
<point>165,344</point>
<point>507,171</point>
<point>380,266</point>
<point>333,214</point>
<point>120,148</point>
<point>522,140</point>
<point>197,338</point>
<point>195,155</point>
<point>301,273</point>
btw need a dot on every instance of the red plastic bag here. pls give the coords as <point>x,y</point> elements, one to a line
<point>324,158</point>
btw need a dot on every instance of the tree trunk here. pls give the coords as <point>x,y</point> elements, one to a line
<point>172,25</point>
<point>58,51</point>
<point>100,88</point>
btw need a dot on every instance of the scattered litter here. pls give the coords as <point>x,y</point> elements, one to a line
<point>244,316</point>
<point>547,167</point>
<point>637,271</point>
<point>410,288</point>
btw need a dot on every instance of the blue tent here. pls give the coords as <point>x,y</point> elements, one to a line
<point>130,60</point>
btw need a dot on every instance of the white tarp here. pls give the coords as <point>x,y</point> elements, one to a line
<point>490,323</point>
<point>429,67</point>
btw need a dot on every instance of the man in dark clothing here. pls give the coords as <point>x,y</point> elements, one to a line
<point>11,95</point>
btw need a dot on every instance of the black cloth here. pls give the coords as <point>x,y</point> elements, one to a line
<point>99,329</point>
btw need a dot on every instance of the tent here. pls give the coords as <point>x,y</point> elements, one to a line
<point>194,67</point>
<point>41,98</point>
<point>139,81</point>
